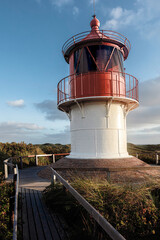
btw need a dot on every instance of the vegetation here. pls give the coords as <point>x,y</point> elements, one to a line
<point>127,208</point>
<point>145,152</point>
<point>80,224</point>
<point>6,191</point>
<point>55,148</point>
<point>133,210</point>
<point>22,149</point>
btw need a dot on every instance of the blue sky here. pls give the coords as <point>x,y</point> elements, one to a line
<point>31,64</point>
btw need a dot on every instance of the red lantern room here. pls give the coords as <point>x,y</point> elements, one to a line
<point>96,65</point>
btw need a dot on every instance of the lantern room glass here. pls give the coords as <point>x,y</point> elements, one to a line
<point>98,58</point>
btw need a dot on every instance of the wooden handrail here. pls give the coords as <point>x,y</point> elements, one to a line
<point>49,155</point>
<point>15,221</point>
<point>108,228</point>
<point>16,180</point>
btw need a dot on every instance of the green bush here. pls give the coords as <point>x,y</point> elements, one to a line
<point>6,191</point>
<point>134,210</point>
<point>146,153</point>
<point>129,208</point>
<point>55,148</point>
<point>81,224</point>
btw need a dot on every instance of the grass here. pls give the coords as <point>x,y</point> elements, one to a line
<point>80,224</point>
<point>145,152</point>
<point>134,210</point>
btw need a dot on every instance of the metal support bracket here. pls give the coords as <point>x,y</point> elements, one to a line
<point>127,109</point>
<point>68,113</point>
<point>81,108</point>
<point>108,105</point>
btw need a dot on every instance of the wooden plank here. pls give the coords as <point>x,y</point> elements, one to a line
<point>37,220</point>
<point>54,231</point>
<point>31,223</point>
<point>43,219</point>
<point>25,227</point>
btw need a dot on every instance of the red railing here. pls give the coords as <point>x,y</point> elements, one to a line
<point>102,34</point>
<point>97,84</point>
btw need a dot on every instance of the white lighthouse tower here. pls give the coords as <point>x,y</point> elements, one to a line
<point>98,94</point>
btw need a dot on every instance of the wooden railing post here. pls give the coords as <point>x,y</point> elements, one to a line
<point>53,179</point>
<point>157,158</point>
<point>36,160</point>
<point>5,169</point>
<point>15,170</point>
<point>54,160</point>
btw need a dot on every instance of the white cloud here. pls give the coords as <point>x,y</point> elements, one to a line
<point>151,7</point>
<point>116,13</point>
<point>120,17</point>
<point>145,18</point>
<point>62,137</point>
<point>144,122</point>
<point>18,132</point>
<point>32,133</point>
<point>75,10</point>
<point>49,107</point>
<point>16,103</point>
<point>60,3</point>
<point>12,126</point>
<point>150,92</point>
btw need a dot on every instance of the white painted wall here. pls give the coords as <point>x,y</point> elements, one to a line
<point>98,130</point>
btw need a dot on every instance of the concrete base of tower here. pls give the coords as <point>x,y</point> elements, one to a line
<point>70,163</point>
<point>115,170</point>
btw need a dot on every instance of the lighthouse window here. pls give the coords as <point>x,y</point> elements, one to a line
<point>98,58</point>
<point>101,55</point>
<point>86,62</point>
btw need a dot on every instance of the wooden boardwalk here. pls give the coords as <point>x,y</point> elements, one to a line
<point>37,222</point>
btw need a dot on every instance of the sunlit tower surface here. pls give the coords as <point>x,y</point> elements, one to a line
<point>98,94</point>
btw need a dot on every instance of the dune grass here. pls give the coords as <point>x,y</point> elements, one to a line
<point>133,209</point>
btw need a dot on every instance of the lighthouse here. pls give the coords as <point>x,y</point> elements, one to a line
<point>98,94</point>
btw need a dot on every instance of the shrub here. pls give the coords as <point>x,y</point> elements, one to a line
<point>132,209</point>
<point>6,191</point>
